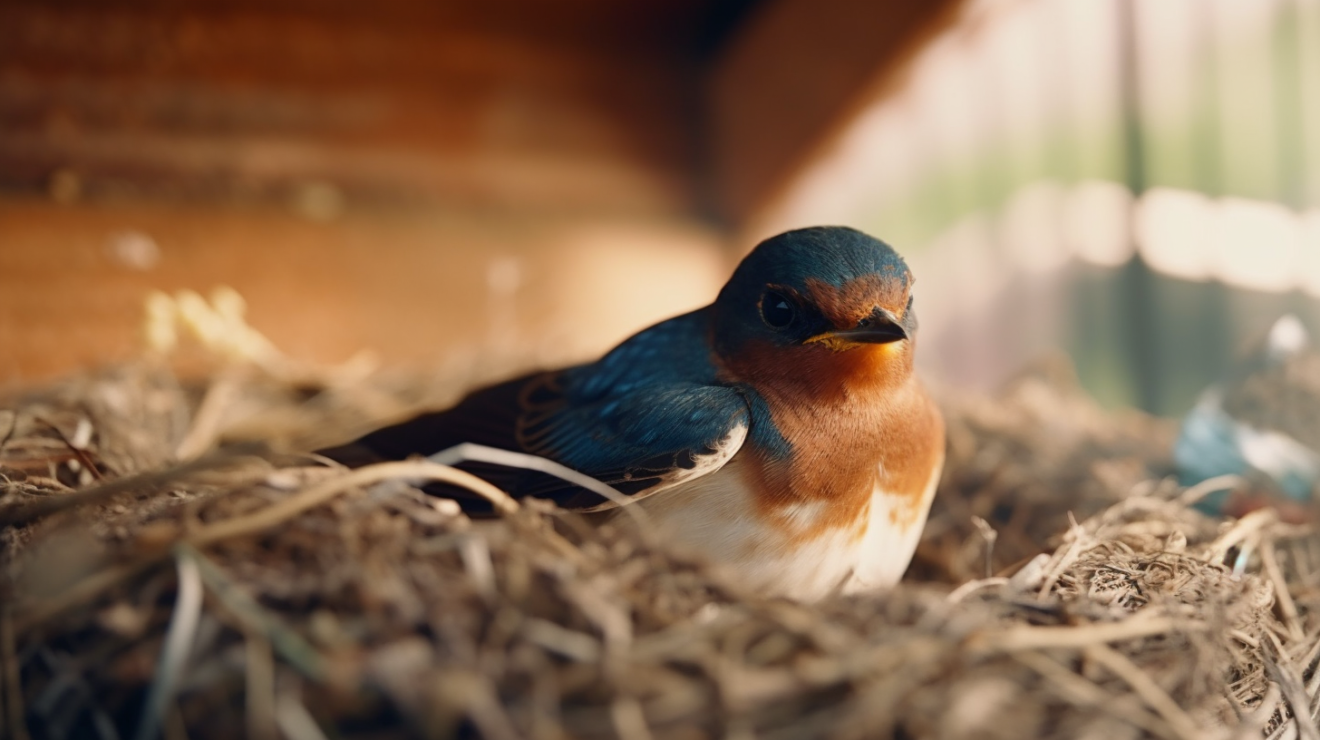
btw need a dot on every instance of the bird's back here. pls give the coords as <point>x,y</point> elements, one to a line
<point>648,408</point>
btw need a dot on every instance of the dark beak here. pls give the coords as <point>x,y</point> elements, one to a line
<point>881,327</point>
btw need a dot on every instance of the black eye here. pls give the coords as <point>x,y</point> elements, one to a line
<point>777,310</point>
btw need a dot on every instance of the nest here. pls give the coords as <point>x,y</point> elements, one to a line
<point>1282,396</point>
<point>175,567</point>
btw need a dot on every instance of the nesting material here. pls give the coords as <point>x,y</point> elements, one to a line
<point>1282,397</point>
<point>174,565</point>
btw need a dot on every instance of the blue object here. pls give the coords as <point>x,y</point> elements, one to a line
<point>1212,443</point>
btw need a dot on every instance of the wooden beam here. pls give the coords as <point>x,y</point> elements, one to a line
<point>791,79</point>
<point>234,102</point>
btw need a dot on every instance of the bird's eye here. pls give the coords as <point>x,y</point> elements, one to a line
<point>777,310</point>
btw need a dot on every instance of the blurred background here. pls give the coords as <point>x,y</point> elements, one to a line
<point>516,183</point>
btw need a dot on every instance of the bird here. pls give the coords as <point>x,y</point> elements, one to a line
<point>780,431</point>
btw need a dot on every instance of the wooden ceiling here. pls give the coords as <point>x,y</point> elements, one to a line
<point>354,168</point>
<point>573,105</point>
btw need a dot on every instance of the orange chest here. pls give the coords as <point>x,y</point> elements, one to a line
<point>844,453</point>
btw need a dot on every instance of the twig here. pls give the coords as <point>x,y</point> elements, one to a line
<point>1294,694</point>
<point>316,495</point>
<point>1081,691</point>
<point>106,491</point>
<point>629,720</point>
<point>260,694</point>
<point>988,534</point>
<point>295,722</point>
<point>1150,692</point>
<point>256,620</point>
<point>970,587</point>
<point>475,553</point>
<point>205,428</point>
<point>1243,558</point>
<point>1209,486</point>
<point>1253,725</point>
<point>1240,531</point>
<point>12,675</point>
<point>1309,663</point>
<point>78,452</point>
<point>1244,638</point>
<point>178,644</point>
<point>1036,638</point>
<point>1070,555</point>
<point>1291,617</point>
<point>469,452</point>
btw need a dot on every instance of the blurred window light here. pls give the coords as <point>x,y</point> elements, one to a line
<point>1244,243</point>
<point>972,271</point>
<point>1183,137</point>
<point>1259,245</point>
<point>1309,233</point>
<point>1175,232</point>
<point>1095,216</point>
<point>1031,227</point>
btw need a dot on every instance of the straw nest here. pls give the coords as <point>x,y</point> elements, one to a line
<point>174,567</point>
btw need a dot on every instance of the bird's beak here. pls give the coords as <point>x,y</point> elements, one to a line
<point>881,327</point>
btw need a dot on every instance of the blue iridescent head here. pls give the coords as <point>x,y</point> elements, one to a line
<point>828,286</point>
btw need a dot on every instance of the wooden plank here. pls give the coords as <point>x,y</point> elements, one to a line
<point>245,102</point>
<point>422,289</point>
<point>793,77</point>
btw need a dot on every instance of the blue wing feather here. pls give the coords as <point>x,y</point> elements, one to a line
<point>644,413</point>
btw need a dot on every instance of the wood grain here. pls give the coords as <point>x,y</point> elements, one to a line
<point>416,287</point>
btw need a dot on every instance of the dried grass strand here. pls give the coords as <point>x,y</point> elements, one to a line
<point>1079,540</point>
<point>1209,486</point>
<point>179,638</point>
<point>471,452</point>
<point>207,422</point>
<point>971,587</point>
<point>259,697</point>
<point>321,493</point>
<point>1292,618</point>
<point>105,492</point>
<point>12,677</point>
<point>294,721</point>
<point>1182,725</point>
<point>83,458</point>
<point>1295,696</point>
<point>255,620</point>
<point>1241,531</point>
<point>1012,639</point>
<point>1078,690</point>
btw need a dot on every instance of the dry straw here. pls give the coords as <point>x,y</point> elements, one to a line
<point>174,569</point>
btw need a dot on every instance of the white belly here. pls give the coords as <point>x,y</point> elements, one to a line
<point>892,533</point>
<point>716,515</point>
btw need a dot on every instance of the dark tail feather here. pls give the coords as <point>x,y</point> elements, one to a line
<point>353,454</point>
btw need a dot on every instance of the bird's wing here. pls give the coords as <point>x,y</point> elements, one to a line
<point>640,442</point>
<point>645,417</point>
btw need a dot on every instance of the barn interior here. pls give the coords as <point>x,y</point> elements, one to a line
<point>233,232</point>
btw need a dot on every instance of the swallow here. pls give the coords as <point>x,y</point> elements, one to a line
<point>779,431</point>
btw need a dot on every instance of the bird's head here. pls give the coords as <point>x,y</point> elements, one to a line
<point>815,306</point>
